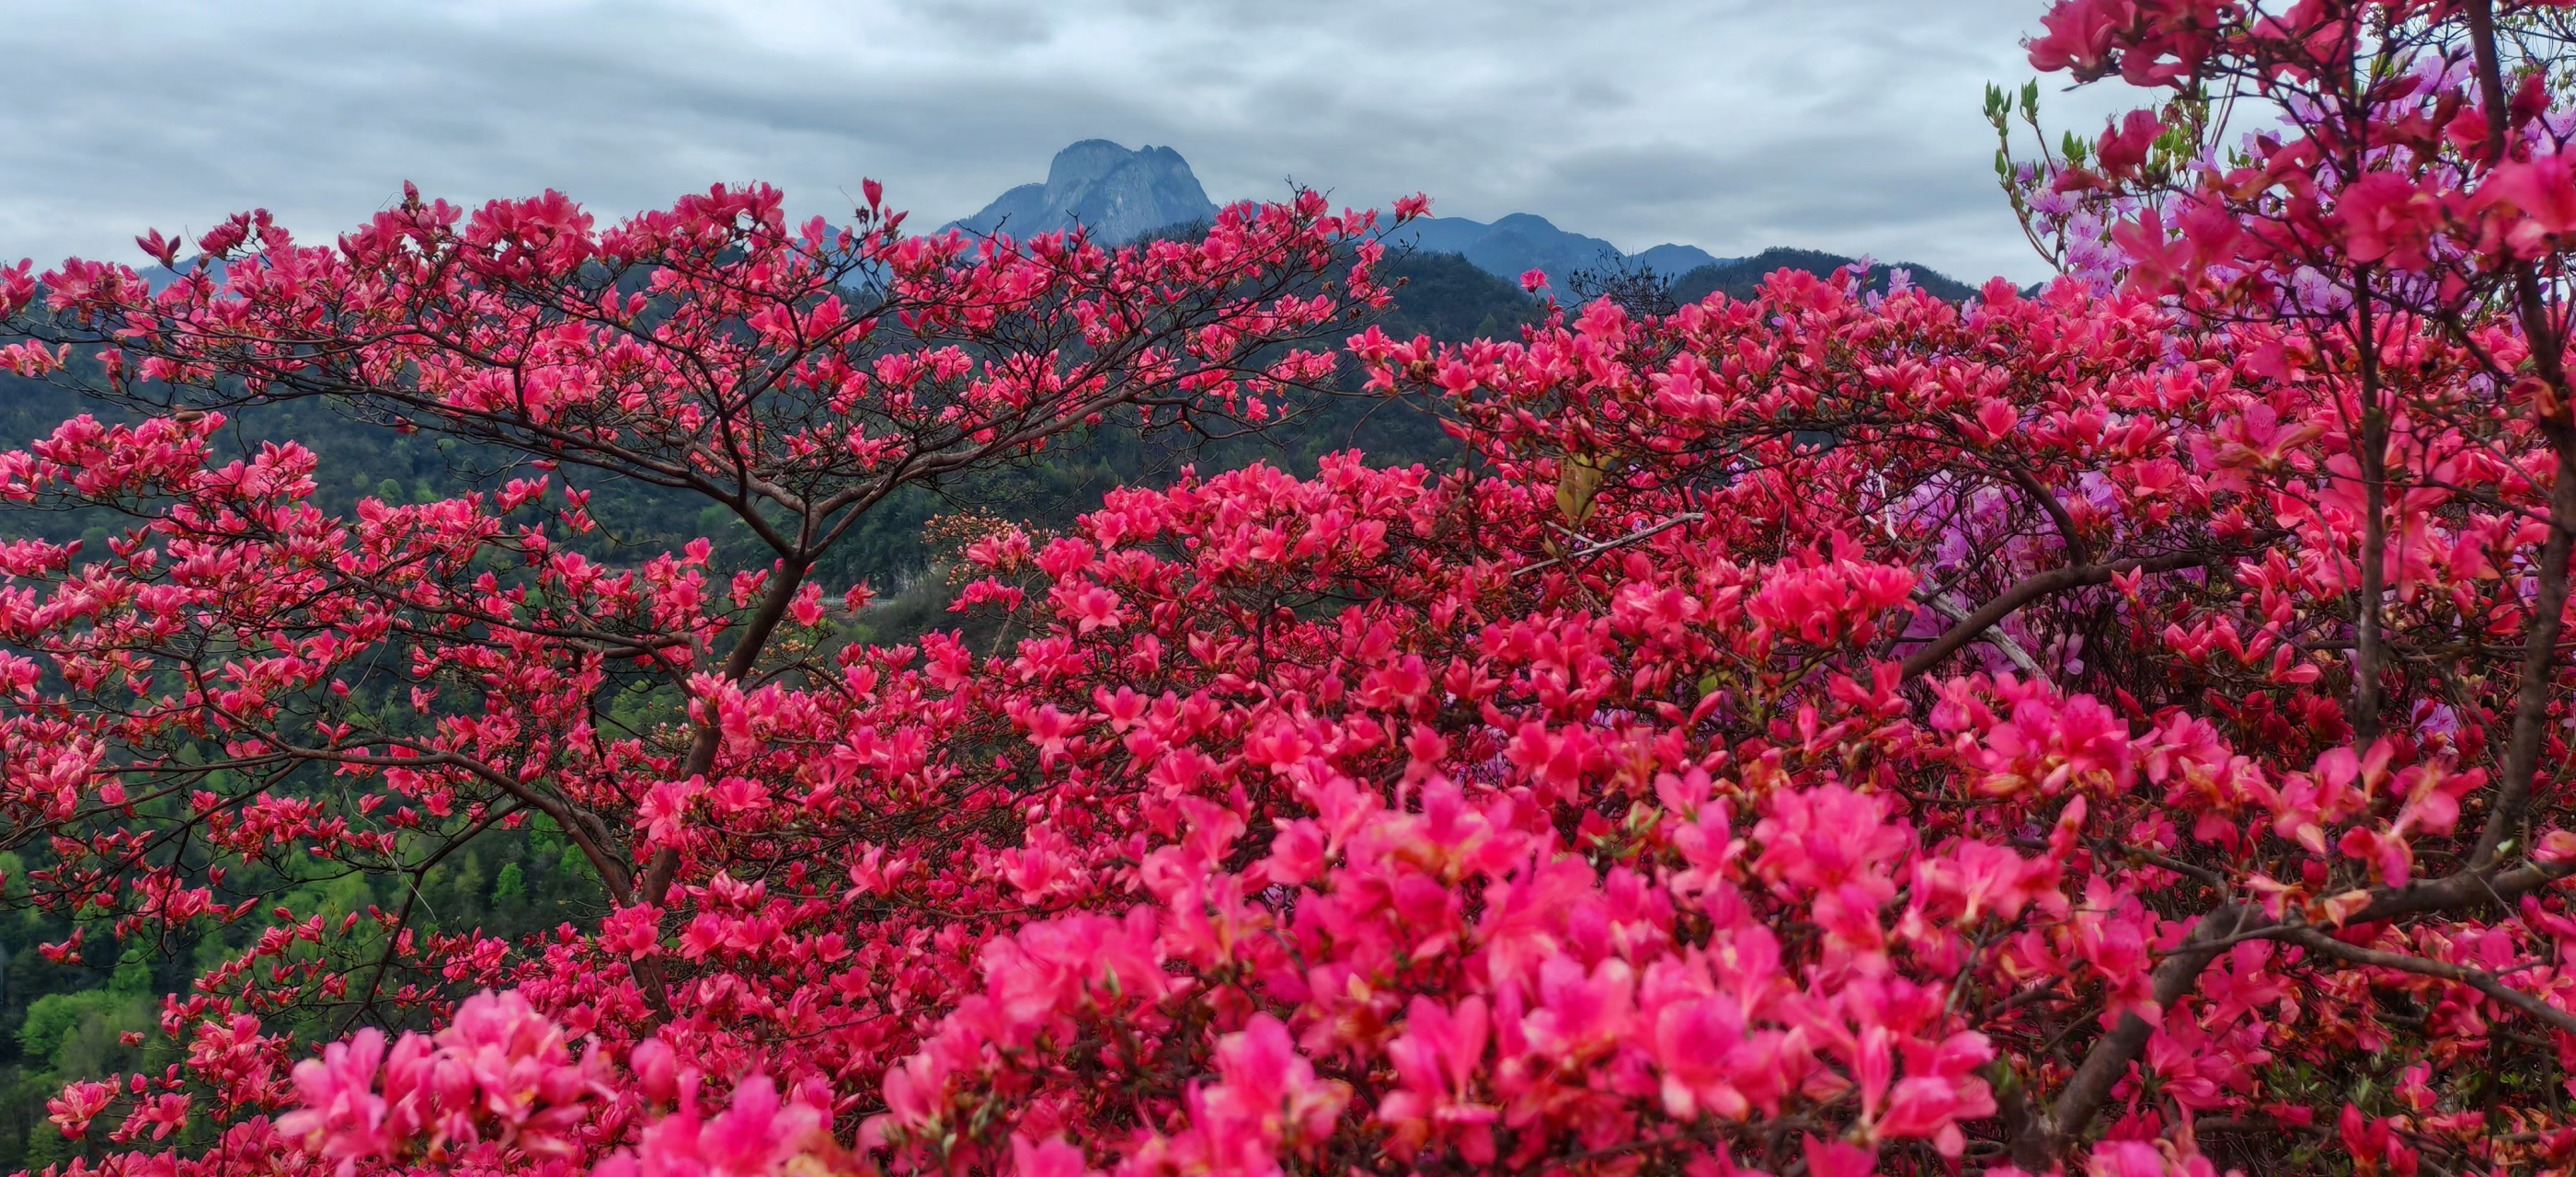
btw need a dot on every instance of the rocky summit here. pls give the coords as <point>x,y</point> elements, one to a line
<point>1116,193</point>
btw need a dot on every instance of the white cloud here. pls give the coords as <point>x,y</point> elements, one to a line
<point>1734,125</point>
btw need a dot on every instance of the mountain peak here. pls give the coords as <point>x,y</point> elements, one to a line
<point>1087,161</point>
<point>1116,193</point>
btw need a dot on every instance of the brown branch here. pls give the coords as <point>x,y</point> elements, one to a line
<point>2539,668</point>
<point>2461,891</point>
<point>412,899</point>
<point>1948,605</point>
<point>2035,588</point>
<point>2039,1144</point>
<point>702,753</point>
<point>2076,551</point>
<point>2482,43</point>
<point>2369,642</point>
<point>2484,982</point>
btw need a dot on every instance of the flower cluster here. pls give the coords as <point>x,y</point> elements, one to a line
<point>498,1077</point>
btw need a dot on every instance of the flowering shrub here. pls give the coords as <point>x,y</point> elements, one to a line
<point>2112,730</point>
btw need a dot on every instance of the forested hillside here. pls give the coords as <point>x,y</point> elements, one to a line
<point>1739,278</point>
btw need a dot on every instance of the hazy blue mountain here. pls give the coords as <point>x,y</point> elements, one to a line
<point>1527,241</point>
<point>1116,193</point>
<point>1672,260</point>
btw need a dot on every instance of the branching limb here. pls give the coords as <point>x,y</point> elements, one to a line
<point>1949,605</point>
<point>2227,925</point>
<point>2484,982</point>
<point>2044,1139</point>
<point>2036,588</point>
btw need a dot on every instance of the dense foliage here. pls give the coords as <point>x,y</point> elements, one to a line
<point>2120,728</point>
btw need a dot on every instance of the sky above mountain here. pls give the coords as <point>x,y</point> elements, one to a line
<point>1731,125</point>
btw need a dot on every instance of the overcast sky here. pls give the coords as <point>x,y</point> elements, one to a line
<point>1848,125</point>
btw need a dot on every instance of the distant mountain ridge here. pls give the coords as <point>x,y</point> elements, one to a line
<point>1521,242</point>
<point>1121,195</point>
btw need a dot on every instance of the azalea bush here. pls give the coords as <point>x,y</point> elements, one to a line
<point>2113,729</point>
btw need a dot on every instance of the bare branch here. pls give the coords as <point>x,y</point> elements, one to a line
<point>1612,545</point>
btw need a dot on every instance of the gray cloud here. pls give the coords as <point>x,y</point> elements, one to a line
<point>1731,125</point>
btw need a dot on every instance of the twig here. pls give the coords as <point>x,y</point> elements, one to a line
<point>1611,545</point>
